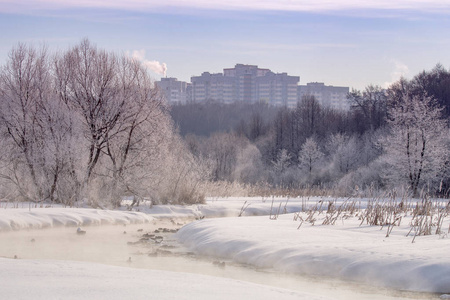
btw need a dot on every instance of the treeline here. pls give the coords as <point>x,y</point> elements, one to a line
<point>396,137</point>
<point>87,124</point>
<point>204,119</point>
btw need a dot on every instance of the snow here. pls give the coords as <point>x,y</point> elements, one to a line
<point>346,251</point>
<point>47,279</point>
<point>26,218</point>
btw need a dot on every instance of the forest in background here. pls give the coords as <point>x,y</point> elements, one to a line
<point>89,125</point>
<point>390,138</point>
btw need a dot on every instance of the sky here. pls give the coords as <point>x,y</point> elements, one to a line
<point>351,43</point>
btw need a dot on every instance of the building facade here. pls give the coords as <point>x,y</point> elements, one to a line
<point>212,87</point>
<point>328,96</point>
<point>248,84</point>
<point>277,89</point>
<point>176,92</point>
<point>244,77</point>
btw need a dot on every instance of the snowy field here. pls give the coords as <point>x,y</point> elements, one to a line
<point>43,279</point>
<point>15,216</point>
<point>34,218</point>
<point>345,250</point>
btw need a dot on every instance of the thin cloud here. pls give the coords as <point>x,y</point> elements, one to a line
<point>289,47</point>
<point>272,5</point>
<point>255,48</point>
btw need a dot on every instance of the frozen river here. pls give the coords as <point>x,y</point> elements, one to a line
<point>138,246</point>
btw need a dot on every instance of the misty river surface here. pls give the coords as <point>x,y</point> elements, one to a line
<point>138,246</point>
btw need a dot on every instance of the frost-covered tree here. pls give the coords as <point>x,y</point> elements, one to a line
<point>434,83</point>
<point>59,150</point>
<point>417,146</point>
<point>85,123</point>
<point>24,88</point>
<point>283,161</point>
<point>344,153</point>
<point>91,88</point>
<point>222,150</point>
<point>309,113</point>
<point>122,117</point>
<point>249,166</point>
<point>180,175</point>
<point>141,128</point>
<point>38,130</point>
<point>284,173</point>
<point>310,155</point>
<point>368,107</point>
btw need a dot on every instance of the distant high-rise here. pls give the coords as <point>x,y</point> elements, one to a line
<point>245,88</point>
<point>176,92</point>
<point>329,96</point>
<point>212,87</point>
<point>277,89</point>
<point>246,83</point>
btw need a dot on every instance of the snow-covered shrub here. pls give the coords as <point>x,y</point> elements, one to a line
<point>365,177</point>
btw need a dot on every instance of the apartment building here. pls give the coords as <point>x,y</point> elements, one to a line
<point>329,96</point>
<point>176,92</point>
<point>251,84</point>
<point>215,87</point>
<point>244,77</point>
<point>277,89</point>
<point>246,83</point>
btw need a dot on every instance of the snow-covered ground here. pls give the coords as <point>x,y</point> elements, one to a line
<point>26,216</point>
<point>33,218</point>
<point>44,279</point>
<point>345,250</point>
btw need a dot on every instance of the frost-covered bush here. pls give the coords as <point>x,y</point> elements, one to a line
<point>364,178</point>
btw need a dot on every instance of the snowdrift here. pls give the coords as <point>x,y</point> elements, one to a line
<point>345,251</point>
<point>36,218</point>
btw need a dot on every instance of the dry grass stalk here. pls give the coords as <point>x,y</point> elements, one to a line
<point>427,215</point>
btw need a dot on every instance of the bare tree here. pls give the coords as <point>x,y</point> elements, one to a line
<point>140,129</point>
<point>222,150</point>
<point>344,153</point>
<point>249,165</point>
<point>24,86</point>
<point>310,155</point>
<point>58,149</point>
<point>371,105</point>
<point>91,88</point>
<point>283,162</point>
<point>309,111</point>
<point>85,122</point>
<point>180,174</point>
<point>417,146</point>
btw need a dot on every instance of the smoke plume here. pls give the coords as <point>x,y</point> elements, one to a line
<point>153,65</point>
